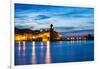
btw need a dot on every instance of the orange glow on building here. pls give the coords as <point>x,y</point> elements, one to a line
<point>18,37</point>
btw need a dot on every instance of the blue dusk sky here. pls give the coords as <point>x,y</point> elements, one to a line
<point>64,18</point>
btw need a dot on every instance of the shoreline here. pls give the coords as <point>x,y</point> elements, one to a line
<point>48,40</point>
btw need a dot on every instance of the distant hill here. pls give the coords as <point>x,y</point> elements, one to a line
<point>24,30</point>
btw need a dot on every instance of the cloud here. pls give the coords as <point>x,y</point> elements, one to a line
<point>41,17</point>
<point>63,18</point>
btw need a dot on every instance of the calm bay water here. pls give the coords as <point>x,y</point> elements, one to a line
<point>53,52</point>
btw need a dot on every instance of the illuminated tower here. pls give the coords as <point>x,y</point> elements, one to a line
<point>51,32</point>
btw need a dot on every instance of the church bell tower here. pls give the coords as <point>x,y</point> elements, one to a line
<point>51,32</point>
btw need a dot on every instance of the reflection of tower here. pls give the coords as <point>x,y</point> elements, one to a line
<point>51,32</point>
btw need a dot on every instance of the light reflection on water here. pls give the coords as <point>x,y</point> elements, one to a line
<point>53,52</point>
<point>19,48</point>
<point>48,53</point>
<point>33,53</point>
<point>24,48</point>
